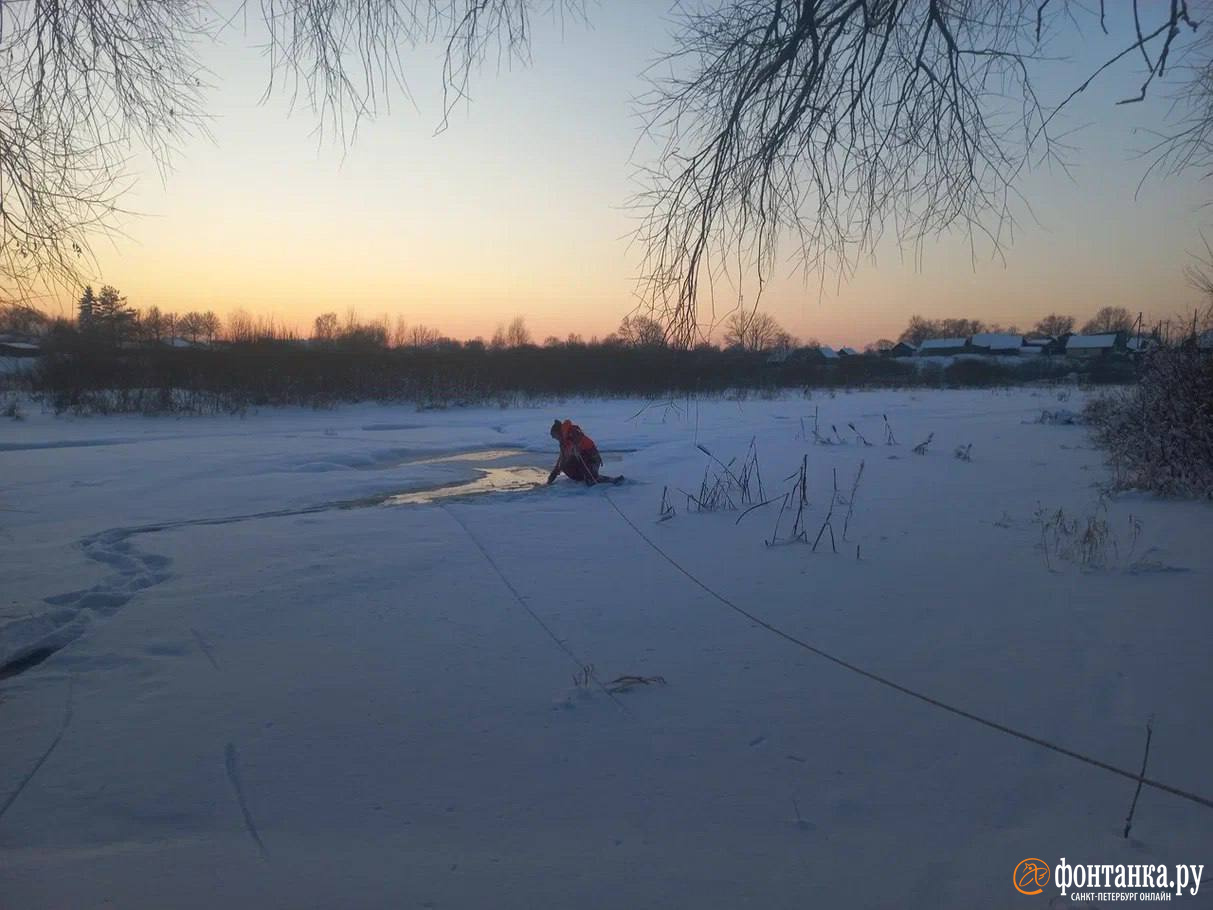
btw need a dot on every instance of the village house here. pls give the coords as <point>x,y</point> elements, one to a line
<point>996,343</point>
<point>19,346</point>
<point>943,347</point>
<point>1140,344</point>
<point>1039,343</point>
<point>1088,346</point>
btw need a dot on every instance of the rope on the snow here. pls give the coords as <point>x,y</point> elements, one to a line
<point>581,665</point>
<point>1138,778</point>
<point>67,719</point>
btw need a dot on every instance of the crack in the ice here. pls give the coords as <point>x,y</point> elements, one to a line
<point>29,659</point>
<point>137,571</point>
<point>66,444</point>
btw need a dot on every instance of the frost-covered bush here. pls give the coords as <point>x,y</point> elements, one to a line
<point>1159,433</point>
<point>1087,541</point>
<point>10,407</point>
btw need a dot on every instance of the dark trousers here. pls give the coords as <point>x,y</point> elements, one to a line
<point>582,466</point>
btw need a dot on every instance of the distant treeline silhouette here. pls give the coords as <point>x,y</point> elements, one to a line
<point>114,358</point>
<point>231,377</point>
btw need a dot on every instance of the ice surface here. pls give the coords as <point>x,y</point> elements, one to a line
<point>251,694</point>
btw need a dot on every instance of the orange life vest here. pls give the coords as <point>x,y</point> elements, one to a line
<point>571,439</point>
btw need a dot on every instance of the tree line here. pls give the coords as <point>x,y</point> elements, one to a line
<point>106,317</point>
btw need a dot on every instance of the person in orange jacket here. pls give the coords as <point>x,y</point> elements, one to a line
<point>579,458</point>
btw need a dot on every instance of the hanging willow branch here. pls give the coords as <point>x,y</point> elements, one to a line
<point>86,83</point>
<point>818,123</point>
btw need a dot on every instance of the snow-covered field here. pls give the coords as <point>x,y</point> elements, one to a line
<point>260,689</point>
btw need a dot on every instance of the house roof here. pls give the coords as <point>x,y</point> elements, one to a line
<point>20,345</point>
<point>937,344</point>
<point>996,341</point>
<point>1141,343</point>
<point>850,352</point>
<point>905,344</point>
<point>828,352</point>
<point>1091,341</point>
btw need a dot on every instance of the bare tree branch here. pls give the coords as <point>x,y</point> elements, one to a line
<point>821,121</point>
<point>85,83</point>
<point>811,124</point>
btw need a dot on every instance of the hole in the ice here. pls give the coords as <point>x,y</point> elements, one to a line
<point>504,470</point>
<point>474,455</point>
<point>491,480</point>
<point>409,458</point>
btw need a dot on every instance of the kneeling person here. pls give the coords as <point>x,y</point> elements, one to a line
<point>579,458</point>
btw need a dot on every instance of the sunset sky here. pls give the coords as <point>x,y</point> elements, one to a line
<point>519,207</point>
